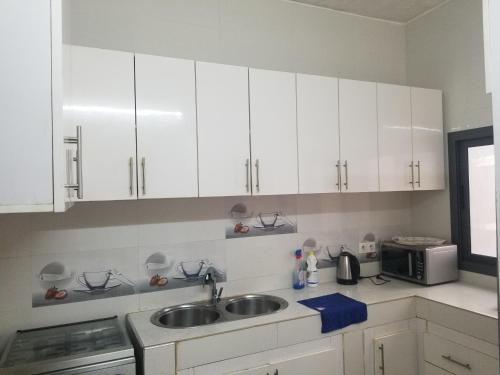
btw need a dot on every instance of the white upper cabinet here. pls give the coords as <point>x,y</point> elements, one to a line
<point>318,134</point>
<point>428,139</point>
<point>166,127</point>
<point>394,137</point>
<point>223,130</point>
<point>102,103</point>
<point>26,115</point>
<point>273,132</point>
<point>358,135</point>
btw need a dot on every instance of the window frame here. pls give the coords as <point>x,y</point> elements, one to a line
<point>459,198</point>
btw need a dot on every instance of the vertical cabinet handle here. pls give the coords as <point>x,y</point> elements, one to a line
<point>247,166</point>
<point>382,365</point>
<point>78,187</point>
<point>257,177</point>
<point>143,168</point>
<point>418,173</point>
<point>452,360</point>
<point>131,175</point>
<point>339,175</point>
<point>346,183</point>
<point>412,182</point>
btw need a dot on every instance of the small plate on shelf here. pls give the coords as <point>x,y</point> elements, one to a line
<point>418,241</point>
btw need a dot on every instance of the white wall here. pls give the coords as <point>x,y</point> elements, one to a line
<point>445,51</point>
<point>123,230</point>
<point>269,34</point>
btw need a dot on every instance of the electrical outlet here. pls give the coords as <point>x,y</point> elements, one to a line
<point>367,247</point>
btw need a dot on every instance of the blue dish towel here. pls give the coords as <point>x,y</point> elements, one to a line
<point>337,311</point>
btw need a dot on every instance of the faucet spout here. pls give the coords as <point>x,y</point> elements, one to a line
<point>211,277</point>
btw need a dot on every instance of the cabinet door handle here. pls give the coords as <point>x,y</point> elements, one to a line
<point>418,173</point>
<point>131,175</point>
<point>257,177</point>
<point>412,182</point>
<point>143,166</point>
<point>78,159</point>
<point>382,366</point>
<point>247,166</point>
<point>339,175</point>
<point>346,183</point>
<point>452,360</point>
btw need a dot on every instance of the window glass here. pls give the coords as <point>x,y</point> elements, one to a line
<point>482,200</point>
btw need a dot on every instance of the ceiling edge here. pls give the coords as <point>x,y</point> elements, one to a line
<point>357,15</point>
<point>428,11</point>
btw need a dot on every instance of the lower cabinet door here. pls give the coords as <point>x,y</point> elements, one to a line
<point>262,370</point>
<point>433,370</point>
<point>323,363</point>
<point>396,354</point>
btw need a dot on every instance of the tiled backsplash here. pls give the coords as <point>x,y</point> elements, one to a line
<point>122,236</point>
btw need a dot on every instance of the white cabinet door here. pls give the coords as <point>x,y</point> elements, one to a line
<point>318,134</point>
<point>323,363</point>
<point>428,138</point>
<point>262,370</point>
<point>166,127</point>
<point>396,354</point>
<point>433,370</point>
<point>273,132</point>
<point>102,103</point>
<point>25,118</point>
<point>223,130</point>
<point>394,137</point>
<point>358,135</point>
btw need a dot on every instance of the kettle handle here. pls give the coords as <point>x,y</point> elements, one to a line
<point>355,266</point>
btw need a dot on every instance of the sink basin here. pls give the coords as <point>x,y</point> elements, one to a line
<point>184,316</point>
<point>254,305</point>
<point>228,309</point>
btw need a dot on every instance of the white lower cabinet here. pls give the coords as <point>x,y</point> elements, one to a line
<point>318,357</point>
<point>391,349</point>
<point>456,358</point>
<point>433,370</point>
<point>322,363</point>
<point>396,354</point>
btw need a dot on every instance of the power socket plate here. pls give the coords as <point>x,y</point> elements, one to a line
<point>367,247</point>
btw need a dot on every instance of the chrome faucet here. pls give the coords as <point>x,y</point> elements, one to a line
<point>210,277</point>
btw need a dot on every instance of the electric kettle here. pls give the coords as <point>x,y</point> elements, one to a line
<point>348,269</point>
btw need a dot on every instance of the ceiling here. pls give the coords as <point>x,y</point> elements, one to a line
<point>391,10</point>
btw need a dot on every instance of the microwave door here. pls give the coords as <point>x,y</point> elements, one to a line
<point>400,263</point>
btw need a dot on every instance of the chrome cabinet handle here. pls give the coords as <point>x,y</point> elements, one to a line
<point>412,182</point>
<point>346,183</point>
<point>452,360</point>
<point>143,167</point>
<point>247,166</point>
<point>257,177</point>
<point>78,187</point>
<point>418,173</point>
<point>131,175</point>
<point>382,366</point>
<point>339,175</point>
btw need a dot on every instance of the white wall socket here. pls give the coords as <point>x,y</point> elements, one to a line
<point>367,247</point>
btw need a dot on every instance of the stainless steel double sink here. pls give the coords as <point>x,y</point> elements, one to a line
<point>227,309</point>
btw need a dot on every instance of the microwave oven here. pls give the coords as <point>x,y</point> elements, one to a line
<point>427,265</point>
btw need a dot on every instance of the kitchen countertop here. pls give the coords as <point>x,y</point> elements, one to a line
<point>459,295</point>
